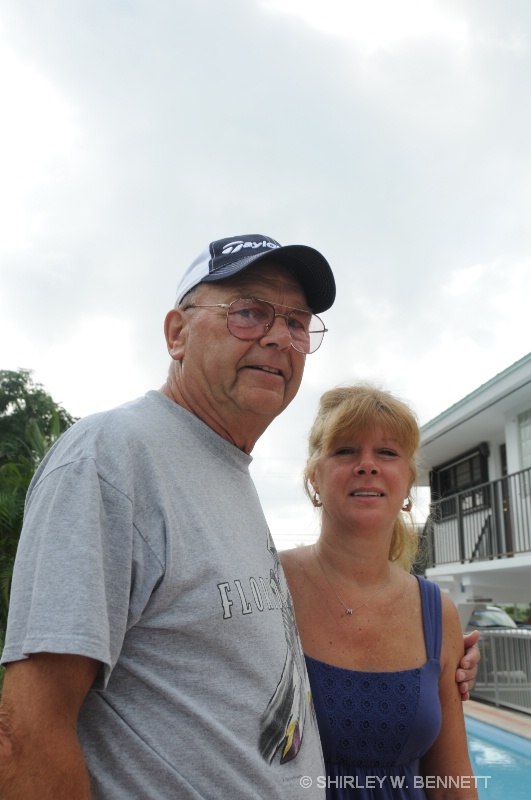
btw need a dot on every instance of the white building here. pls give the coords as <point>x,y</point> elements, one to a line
<point>476,458</point>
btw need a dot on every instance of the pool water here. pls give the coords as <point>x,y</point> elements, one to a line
<point>504,757</point>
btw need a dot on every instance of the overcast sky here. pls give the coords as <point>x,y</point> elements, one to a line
<point>393,136</point>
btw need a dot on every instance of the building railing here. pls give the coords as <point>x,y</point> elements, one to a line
<point>504,672</point>
<point>489,521</point>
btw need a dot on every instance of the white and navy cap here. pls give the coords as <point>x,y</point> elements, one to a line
<point>226,257</point>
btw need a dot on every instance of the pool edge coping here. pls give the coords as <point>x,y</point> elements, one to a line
<point>514,722</point>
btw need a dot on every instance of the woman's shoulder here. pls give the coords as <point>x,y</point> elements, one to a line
<point>296,563</point>
<point>450,614</point>
<point>294,560</point>
<point>453,646</point>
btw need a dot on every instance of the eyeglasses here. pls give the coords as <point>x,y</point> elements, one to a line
<point>250,319</point>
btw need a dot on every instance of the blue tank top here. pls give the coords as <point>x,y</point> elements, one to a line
<point>375,726</point>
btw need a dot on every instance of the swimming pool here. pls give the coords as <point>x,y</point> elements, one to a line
<point>504,757</point>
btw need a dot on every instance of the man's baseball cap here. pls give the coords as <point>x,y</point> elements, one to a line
<point>226,257</point>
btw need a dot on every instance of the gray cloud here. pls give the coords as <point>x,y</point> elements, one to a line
<point>408,166</point>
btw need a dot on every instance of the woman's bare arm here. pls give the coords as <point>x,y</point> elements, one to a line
<point>447,763</point>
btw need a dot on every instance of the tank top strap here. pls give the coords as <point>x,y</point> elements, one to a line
<point>430,595</point>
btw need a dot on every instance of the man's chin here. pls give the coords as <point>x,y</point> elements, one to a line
<point>265,402</point>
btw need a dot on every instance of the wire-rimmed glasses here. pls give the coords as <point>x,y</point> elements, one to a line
<point>250,319</point>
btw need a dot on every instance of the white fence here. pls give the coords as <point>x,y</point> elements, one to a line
<point>504,674</point>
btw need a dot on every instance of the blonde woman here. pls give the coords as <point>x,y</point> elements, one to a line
<point>382,646</point>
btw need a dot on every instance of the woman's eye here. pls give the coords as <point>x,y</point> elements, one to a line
<point>388,452</point>
<point>342,451</point>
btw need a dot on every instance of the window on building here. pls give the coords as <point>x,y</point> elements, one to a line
<point>467,471</point>
<point>460,477</point>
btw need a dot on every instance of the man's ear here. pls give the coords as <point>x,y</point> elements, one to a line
<point>175,326</point>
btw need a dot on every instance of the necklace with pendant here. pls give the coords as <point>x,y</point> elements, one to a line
<point>355,608</point>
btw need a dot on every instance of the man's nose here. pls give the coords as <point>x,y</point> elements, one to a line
<point>278,333</point>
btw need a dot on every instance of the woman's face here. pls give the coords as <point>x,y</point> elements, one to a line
<point>363,480</point>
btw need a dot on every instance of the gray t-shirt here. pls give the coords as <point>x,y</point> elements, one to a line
<point>145,547</point>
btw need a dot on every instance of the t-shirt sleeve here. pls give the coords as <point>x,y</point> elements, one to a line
<point>83,573</point>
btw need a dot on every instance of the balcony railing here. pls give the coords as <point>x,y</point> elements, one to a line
<point>489,521</point>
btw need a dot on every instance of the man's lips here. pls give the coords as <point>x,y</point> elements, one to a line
<point>263,368</point>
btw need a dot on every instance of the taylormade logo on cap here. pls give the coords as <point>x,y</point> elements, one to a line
<point>235,247</point>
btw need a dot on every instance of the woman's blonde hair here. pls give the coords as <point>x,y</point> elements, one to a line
<point>350,410</point>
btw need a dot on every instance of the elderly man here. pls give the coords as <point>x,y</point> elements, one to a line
<point>151,648</point>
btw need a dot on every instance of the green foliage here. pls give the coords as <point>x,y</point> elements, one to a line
<point>14,482</point>
<point>2,670</point>
<point>520,613</point>
<point>30,422</point>
<point>23,404</point>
